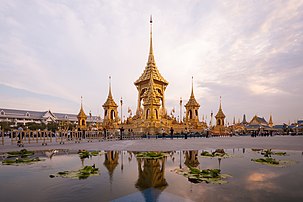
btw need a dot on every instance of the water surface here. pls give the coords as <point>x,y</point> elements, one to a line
<point>123,177</point>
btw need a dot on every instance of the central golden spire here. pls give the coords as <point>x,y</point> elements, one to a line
<point>151,59</point>
<point>151,65</point>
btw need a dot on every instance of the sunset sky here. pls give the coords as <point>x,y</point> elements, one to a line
<point>249,52</point>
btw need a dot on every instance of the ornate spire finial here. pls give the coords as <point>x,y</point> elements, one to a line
<point>151,52</point>
<point>110,87</point>
<point>192,86</point>
<point>81,100</point>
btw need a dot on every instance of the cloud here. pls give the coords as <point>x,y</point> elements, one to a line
<point>262,181</point>
<point>11,99</point>
<point>248,52</point>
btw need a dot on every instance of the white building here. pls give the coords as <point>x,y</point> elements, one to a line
<point>26,116</point>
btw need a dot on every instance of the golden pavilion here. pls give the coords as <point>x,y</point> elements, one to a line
<point>151,115</point>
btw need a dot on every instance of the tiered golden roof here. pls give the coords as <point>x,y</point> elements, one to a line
<point>110,101</point>
<point>152,93</point>
<point>151,68</point>
<point>220,113</point>
<point>192,102</point>
<point>81,113</point>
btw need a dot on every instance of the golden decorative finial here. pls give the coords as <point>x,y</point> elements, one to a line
<point>151,59</point>
<point>110,87</point>
<point>192,86</point>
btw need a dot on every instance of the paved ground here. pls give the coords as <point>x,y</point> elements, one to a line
<point>276,142</point>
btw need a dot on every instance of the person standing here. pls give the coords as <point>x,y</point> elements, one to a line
<point>171,133</point>
<point>121,133</point>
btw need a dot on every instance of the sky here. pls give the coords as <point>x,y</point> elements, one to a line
<point>249,52</point>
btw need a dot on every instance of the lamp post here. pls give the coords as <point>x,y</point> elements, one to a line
<point>297,126</point>
<point>180,160</point>
<point>121,102</point>
<point>2,134</point>
<point>180,109</point>
<point>211,118</point>
<point>121,161</point>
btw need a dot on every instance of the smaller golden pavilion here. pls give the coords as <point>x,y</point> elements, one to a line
<point>220,128</point>
<point>192,115</point>
<point>111,118</point>
<point>82,118</point>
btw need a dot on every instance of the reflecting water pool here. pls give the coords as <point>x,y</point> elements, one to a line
<point>127,176</point>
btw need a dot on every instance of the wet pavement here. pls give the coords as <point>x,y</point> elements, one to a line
<point>275,142</point>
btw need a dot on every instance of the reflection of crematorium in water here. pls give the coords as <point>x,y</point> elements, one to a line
<point>111,162</point>
<point>151,173</point>
<point>191,158</point>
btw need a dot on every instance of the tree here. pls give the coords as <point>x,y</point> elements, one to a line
<point>53,126</point>
<point>35,126</point>
<point>5,125</point>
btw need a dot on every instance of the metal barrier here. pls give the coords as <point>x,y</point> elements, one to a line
<point>44,137</point>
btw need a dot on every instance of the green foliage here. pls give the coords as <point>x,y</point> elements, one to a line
<point>83,154</point>
<point>81,174</point>
<point>5,126</point>
<point>270,161</point>
<point>196,175</point>
<point>87,171</point>
<point>268,153</point>
<point>22,153</point>
<point>20,160</point>
<point>71,126</point>
<point>280,153</point>
<point>52,126</point>
<point>206,153</point>
<point>256,150</point>
<point>63,173</point>
<point>35,126</point>
<point>86,154</point>
<point>95,153</point>
<point>194,170</point>
<point>19,157</point>
<point>208,173</point>
<point>211,173</point>
<point>218,153</point>
<point>151,155</point>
